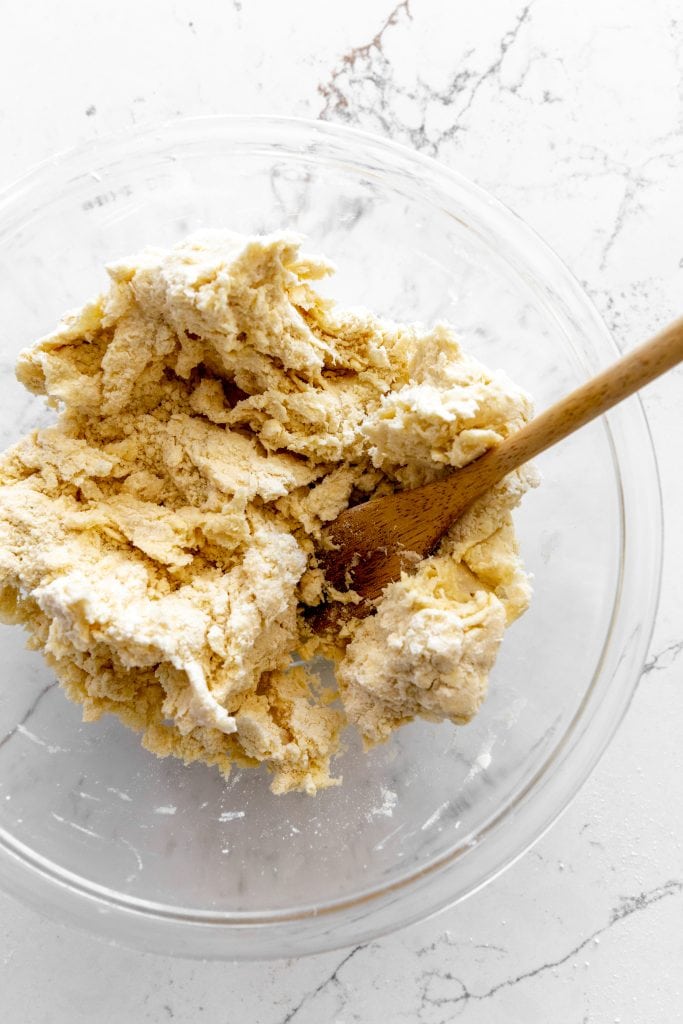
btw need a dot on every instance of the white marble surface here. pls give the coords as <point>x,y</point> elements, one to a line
<point>573,115</point>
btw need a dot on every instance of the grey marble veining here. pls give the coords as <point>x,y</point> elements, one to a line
<point>573,115</point>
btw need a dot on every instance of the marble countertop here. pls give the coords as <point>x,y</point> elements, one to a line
<point>572,114</point>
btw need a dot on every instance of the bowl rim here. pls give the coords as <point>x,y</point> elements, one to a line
<point>15,198</point>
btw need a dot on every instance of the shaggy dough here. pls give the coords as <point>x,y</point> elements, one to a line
<point>158,542</point>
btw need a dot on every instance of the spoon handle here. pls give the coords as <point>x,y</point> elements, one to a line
<point>630,373</point>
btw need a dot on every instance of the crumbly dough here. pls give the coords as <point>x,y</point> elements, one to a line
<point>158,542</point>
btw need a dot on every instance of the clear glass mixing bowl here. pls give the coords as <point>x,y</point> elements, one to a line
<point>98,831</point>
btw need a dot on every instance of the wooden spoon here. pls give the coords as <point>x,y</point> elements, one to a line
<point>367,546</point>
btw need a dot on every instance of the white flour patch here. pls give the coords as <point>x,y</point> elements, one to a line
<point>79,828</point>
<point>52,748</point>
<point>434,817</point>
<point>230,815</point>
<point>135,853</point>
<point>88,796</point>
<point>386,808</point>
<point>482,761</point>
<point>120,794</point>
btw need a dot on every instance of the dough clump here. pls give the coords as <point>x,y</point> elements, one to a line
<point>158,542</point>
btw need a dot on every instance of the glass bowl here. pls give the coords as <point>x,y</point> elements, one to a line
<point>97,831</point>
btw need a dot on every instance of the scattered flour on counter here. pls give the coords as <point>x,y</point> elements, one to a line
<point>74,825</point>
<point>88,796</point>
<point>120,794</point>
<point>50,747</point>
<point>136,854</point>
